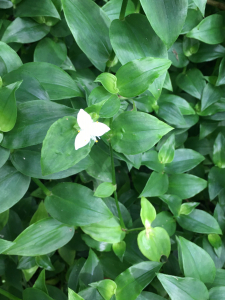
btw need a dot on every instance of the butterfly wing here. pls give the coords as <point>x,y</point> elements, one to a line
<point>81,140</point>
<point>84,120</point>
<point>98,129</point>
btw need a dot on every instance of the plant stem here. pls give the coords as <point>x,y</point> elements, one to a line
<point>114,183</point>
<point>123,10</point>
<point>42,186</point>
<point>135,229</point>
<point>219,5</point>
<point>111,58</point>
<point>8,295</point>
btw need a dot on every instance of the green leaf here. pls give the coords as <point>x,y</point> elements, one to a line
<point>99,246</point>
<point>148,213</point>
<point>4,155</point>
<point>28,162</point>
<point>41,8</point>
<point>148,295</point>
<point>216,181</point>
<point>196,262</point>
<point>192,82</point>
<point>157,185</point>
<point>215,240</point>
<point>167,18</point>
<point>184,160</point>
<point>104,190</point>
<point>109,81</point>
<point>171,114</point>
<point>165,220</point>
<point>185,185</point>
<point>134,38</point>
<point>4,217</point>
<point>154,243</point>
<point>190,46</point>
<point>131,282</point>
<point>35,294</point>
<point>41,213</point>
<point>33,132</point>
<point>75,204</point>
<point>136,132</point>
<point>119,249</point>
<point>183,105</point>
<point>207,53</point>
<point>106,288</point>
<point>58,145</point>
<point>91,271</point>
<point>217,293</point>
<point>210,30</point>
<point>91,293</point>
<point>220,79</point>
<point>44,262</point>
<point>4,245</point>
<point>8,108</point>
<point>34,241</point>
<point>50,52</point>
<point>210,95</point>
<point>179,288</point>
<point>13,185</point>
<point>73,296</point>
<point>201,5</point>
<point>41,238</point>
<point>9,59</point>
<point>177,56</point>
<point>150,160</point>
<point>187,208</point>
<point>5,4</point>
<point>219,151</point>
<point>89,30</point>
<point>166,152</point>
<point>174,203</point>
<point>135,76</point>
<point>194,17</point>
<point>108,231</point>
<point>24,30</point>
<point>199,221</point>
<point>113,7</point>
<point>40,282</point>
<point>57,86</point>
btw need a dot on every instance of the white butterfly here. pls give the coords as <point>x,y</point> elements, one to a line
<point>88,129</point>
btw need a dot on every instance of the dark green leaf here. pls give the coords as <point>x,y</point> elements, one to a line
<point>157,185</point>
<point>9,60</point>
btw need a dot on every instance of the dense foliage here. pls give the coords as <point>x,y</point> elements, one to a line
<point>140,214</point>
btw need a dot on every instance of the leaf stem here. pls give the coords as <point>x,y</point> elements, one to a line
<point>115,192</point>
<point>123,10</point>
<point>42,186</point>
<point>8,295</point>
<point>135,229</point>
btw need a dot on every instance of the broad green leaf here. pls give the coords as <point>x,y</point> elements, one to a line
<point>134,38</point>
<point>58,145</point>
<point>217,293</point>
<point>206,128</point>
<point>184,160</point>
<point>165,220</point>
<point>194,17</point>
<point>108,231</point>
<point>75,204</point>
<point>201,5</point>
<point>99,246</point>
<point>154,243</point>
<point>33,8</point>
<point>24,30</point>
<point>220,79</point>
<point>177,56</point>
<point>40,282</point>
<point>13,186</point>
<point>57,86</point>
<point>119,249</point>
<point>4,245</point>
<point>215,240</point>
<point>89,25</point>
<point>113,7</point>
<point>173,202</point>
<point>187,208</point>
<point>150,160</point>
<point>210,95</point>
<point>28,162</point>
<point>109,81</point>
<point>106,288</point>
<point>50,52</point>
<point>199,221</point>
<point>219,151</point>
<point>34,132</point>
<point>184,288</point>
<point>104,190</point>
<point>157,185</point>
<point>73,296</point>
<point>4,155</point>
<point>192,82</point>
<point>209,30</point>
<point>148,212</point>
<point>5,4</point>
<point>196,262</point>
<point>135,76</point>
<point>131,282</point>
<point>183,105</point>
<point>41,238</point>
<point>91,271</point>
<point>185,185</point>
<point>218,260</point>
<point>4,217</point>
<point>190,46</point>
<point>8,108</point>
<point>166,152</point>
<point>148,295</point>
<point>41,213</point>
<point>35,294</point>
<point>216,181</point>
<point>136,132</point>
<point>44,261</point>
<point>91,293</point>
<point>9,59</point>
<point>170,113</point>
<point>219,279</point>
<point>207,52</point>
<point>167,18</point>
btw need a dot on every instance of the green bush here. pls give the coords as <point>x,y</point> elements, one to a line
<point>141,214</point>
